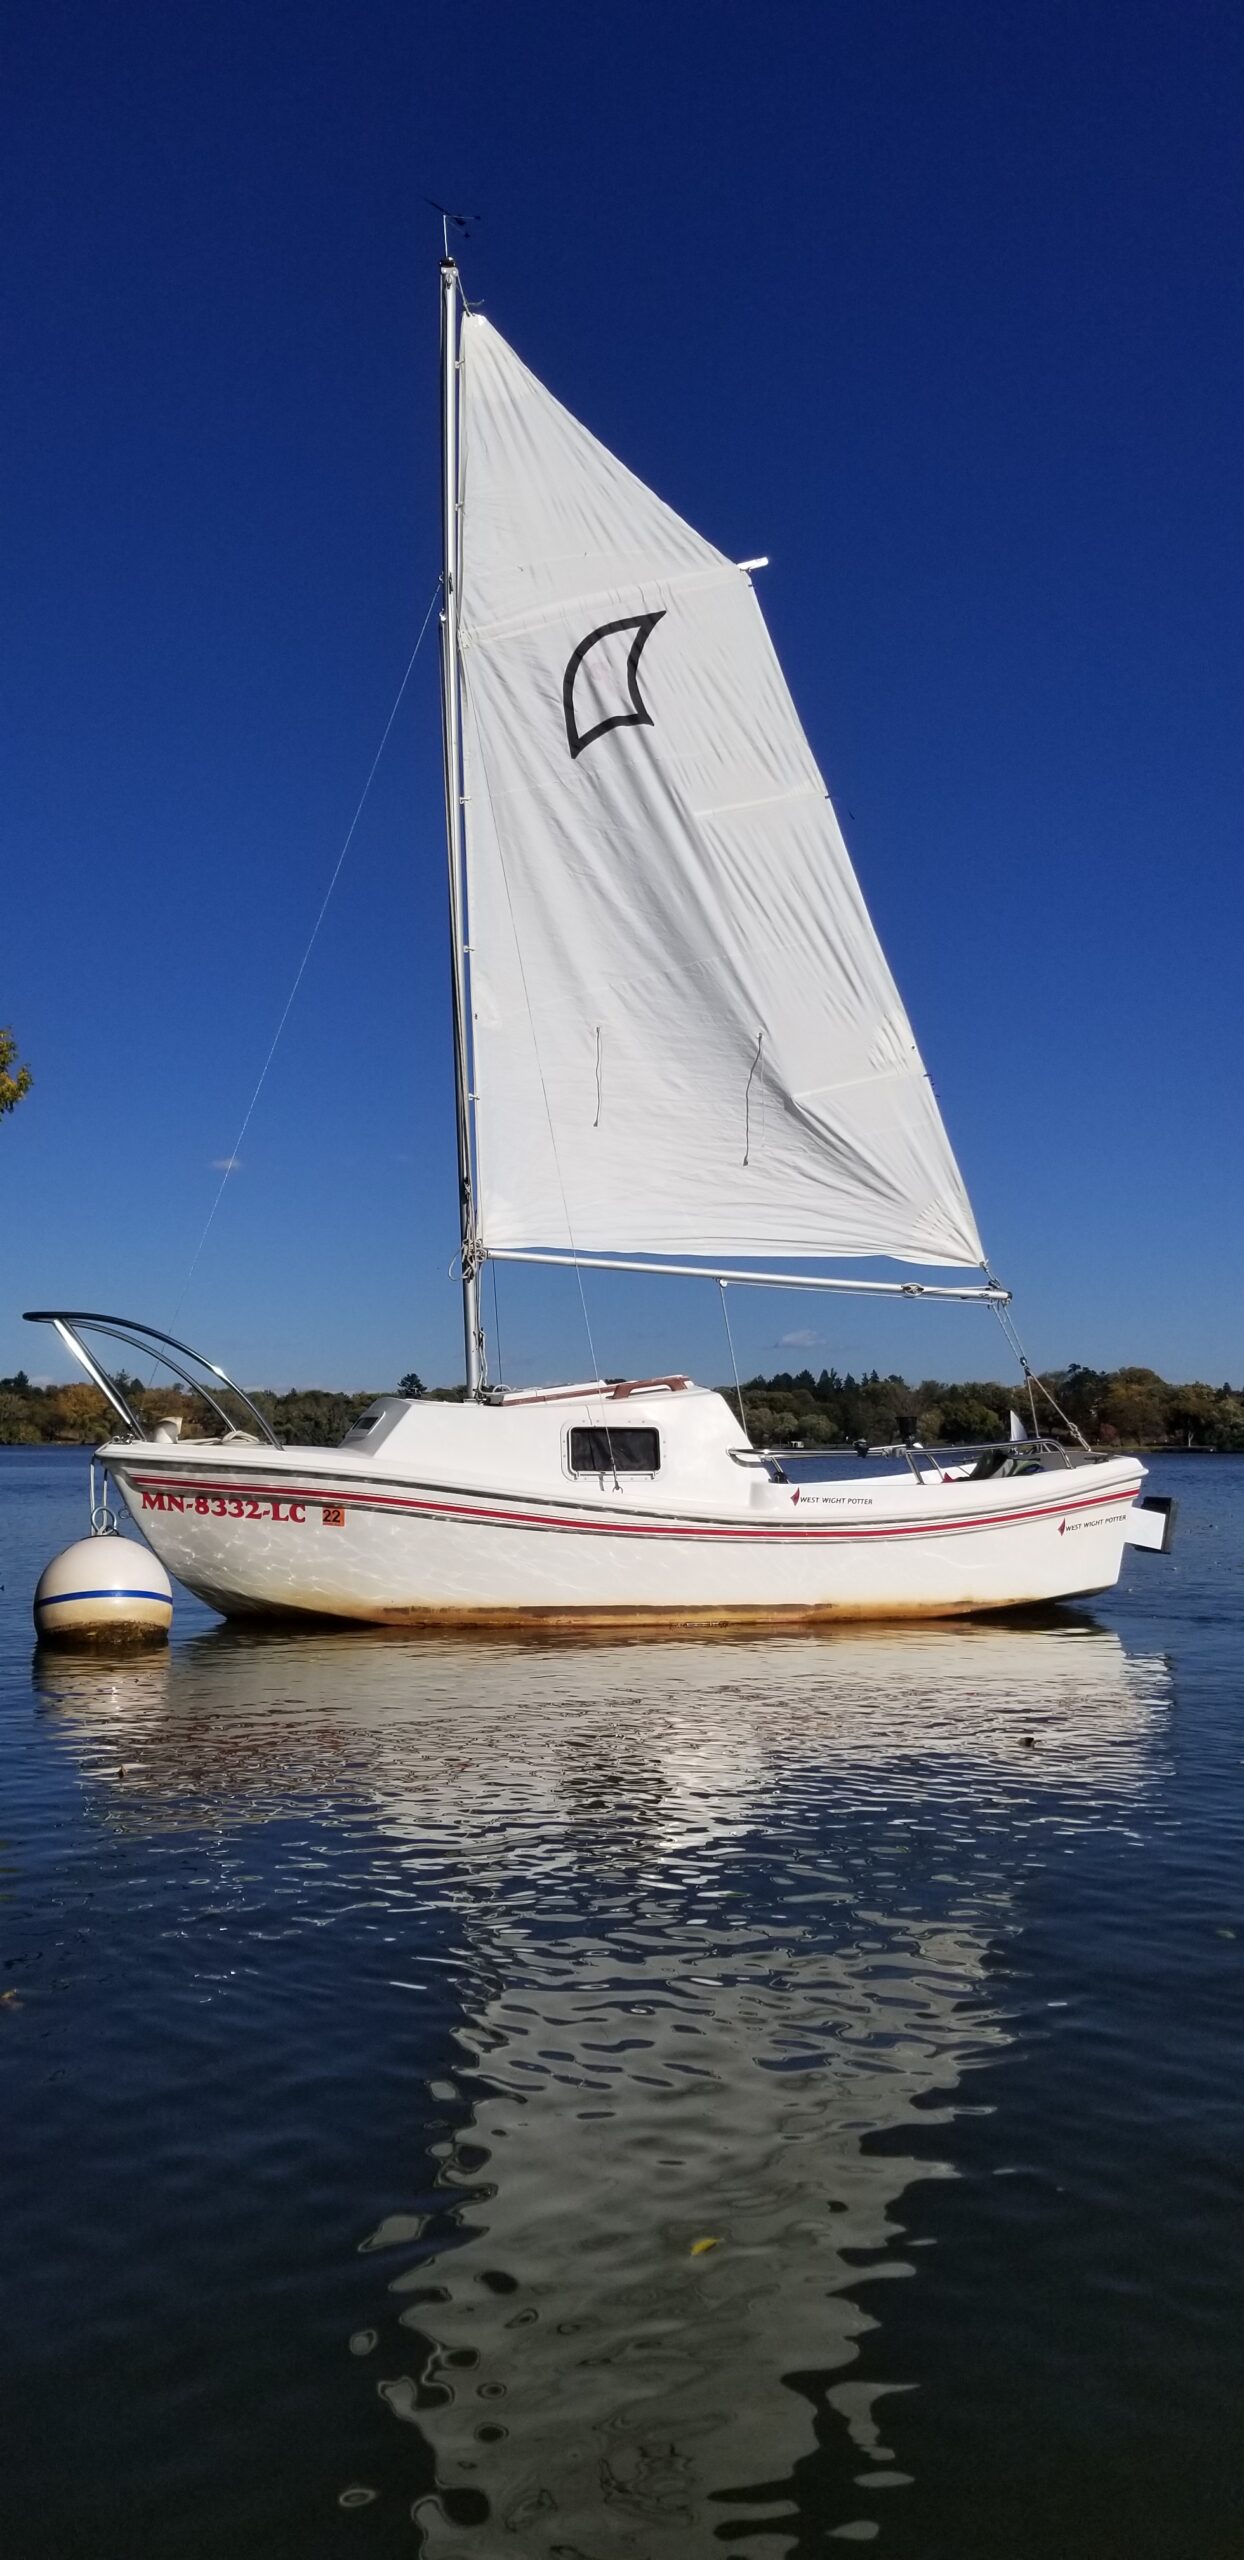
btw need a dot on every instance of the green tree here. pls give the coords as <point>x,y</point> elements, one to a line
<point>15,1080</point>
<point>80,1414</point>
<point>316,1417</point>
<point>1134,1406</point>
<point>973,1413</point>
<point>1193,1414</point>
<point>411,1384</point>
<point>1228,1429</point>
<point>1081,1393</point>
<point>18,1429</point>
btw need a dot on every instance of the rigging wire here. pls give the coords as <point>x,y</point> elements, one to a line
<point>1033,1382</point>
<point>232,1158</point>
<point>738,1391</point>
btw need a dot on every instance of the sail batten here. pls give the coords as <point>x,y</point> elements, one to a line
<point>686,1038</point>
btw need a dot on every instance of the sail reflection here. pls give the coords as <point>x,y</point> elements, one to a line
<point>723,1923</point>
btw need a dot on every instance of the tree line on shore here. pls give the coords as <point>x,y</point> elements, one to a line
<point>304,1417</point>
<point>1114,1408</point>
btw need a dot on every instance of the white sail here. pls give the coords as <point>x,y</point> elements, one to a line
<point>686,1037</point>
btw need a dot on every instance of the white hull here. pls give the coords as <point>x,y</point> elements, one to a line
<point>324,1534</point>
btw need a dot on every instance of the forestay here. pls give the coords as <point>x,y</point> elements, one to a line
<point>686,1037</point>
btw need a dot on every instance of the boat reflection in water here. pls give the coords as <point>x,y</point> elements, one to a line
<point>718,1916</point>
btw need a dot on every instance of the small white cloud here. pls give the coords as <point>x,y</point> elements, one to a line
<point>226,1164</point>
<point>804,1340</point>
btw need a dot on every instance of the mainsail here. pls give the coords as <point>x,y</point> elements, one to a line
<point>686,1038</point>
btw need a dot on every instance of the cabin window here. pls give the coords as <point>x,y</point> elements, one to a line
<point>623,1453</point>
<point>365,1423</point>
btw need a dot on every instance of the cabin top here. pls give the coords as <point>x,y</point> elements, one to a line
<point>658,1438</point>
<point>613,1390</point>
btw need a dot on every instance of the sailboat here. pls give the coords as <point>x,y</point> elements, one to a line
<point>678,1048</point>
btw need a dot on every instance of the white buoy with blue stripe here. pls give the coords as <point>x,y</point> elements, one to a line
<point>104,1590</point>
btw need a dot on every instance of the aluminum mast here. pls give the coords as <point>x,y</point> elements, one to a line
<point>450,295</point>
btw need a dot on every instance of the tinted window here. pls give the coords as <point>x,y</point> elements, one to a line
<point>623,1453</point>
<point>365,1422</point>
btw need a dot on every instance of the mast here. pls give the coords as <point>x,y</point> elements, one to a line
<point>450,719</point>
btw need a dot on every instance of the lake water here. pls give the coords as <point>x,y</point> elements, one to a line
<point>576,2101</point>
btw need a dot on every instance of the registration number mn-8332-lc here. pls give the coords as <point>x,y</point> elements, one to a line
<point>244,1506</point>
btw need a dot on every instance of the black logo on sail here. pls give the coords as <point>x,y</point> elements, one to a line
<point>636,716</point>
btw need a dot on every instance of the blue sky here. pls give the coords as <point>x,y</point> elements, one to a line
<point>939,306</point>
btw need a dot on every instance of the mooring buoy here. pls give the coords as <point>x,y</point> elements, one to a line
<point>104,1590</point>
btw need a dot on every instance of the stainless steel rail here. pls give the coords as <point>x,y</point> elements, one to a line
<point>148,1342</point>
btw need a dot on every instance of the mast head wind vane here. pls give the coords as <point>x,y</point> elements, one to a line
<point>462,223</point>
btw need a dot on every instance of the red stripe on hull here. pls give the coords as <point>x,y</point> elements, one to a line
<point>615,1528</point>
